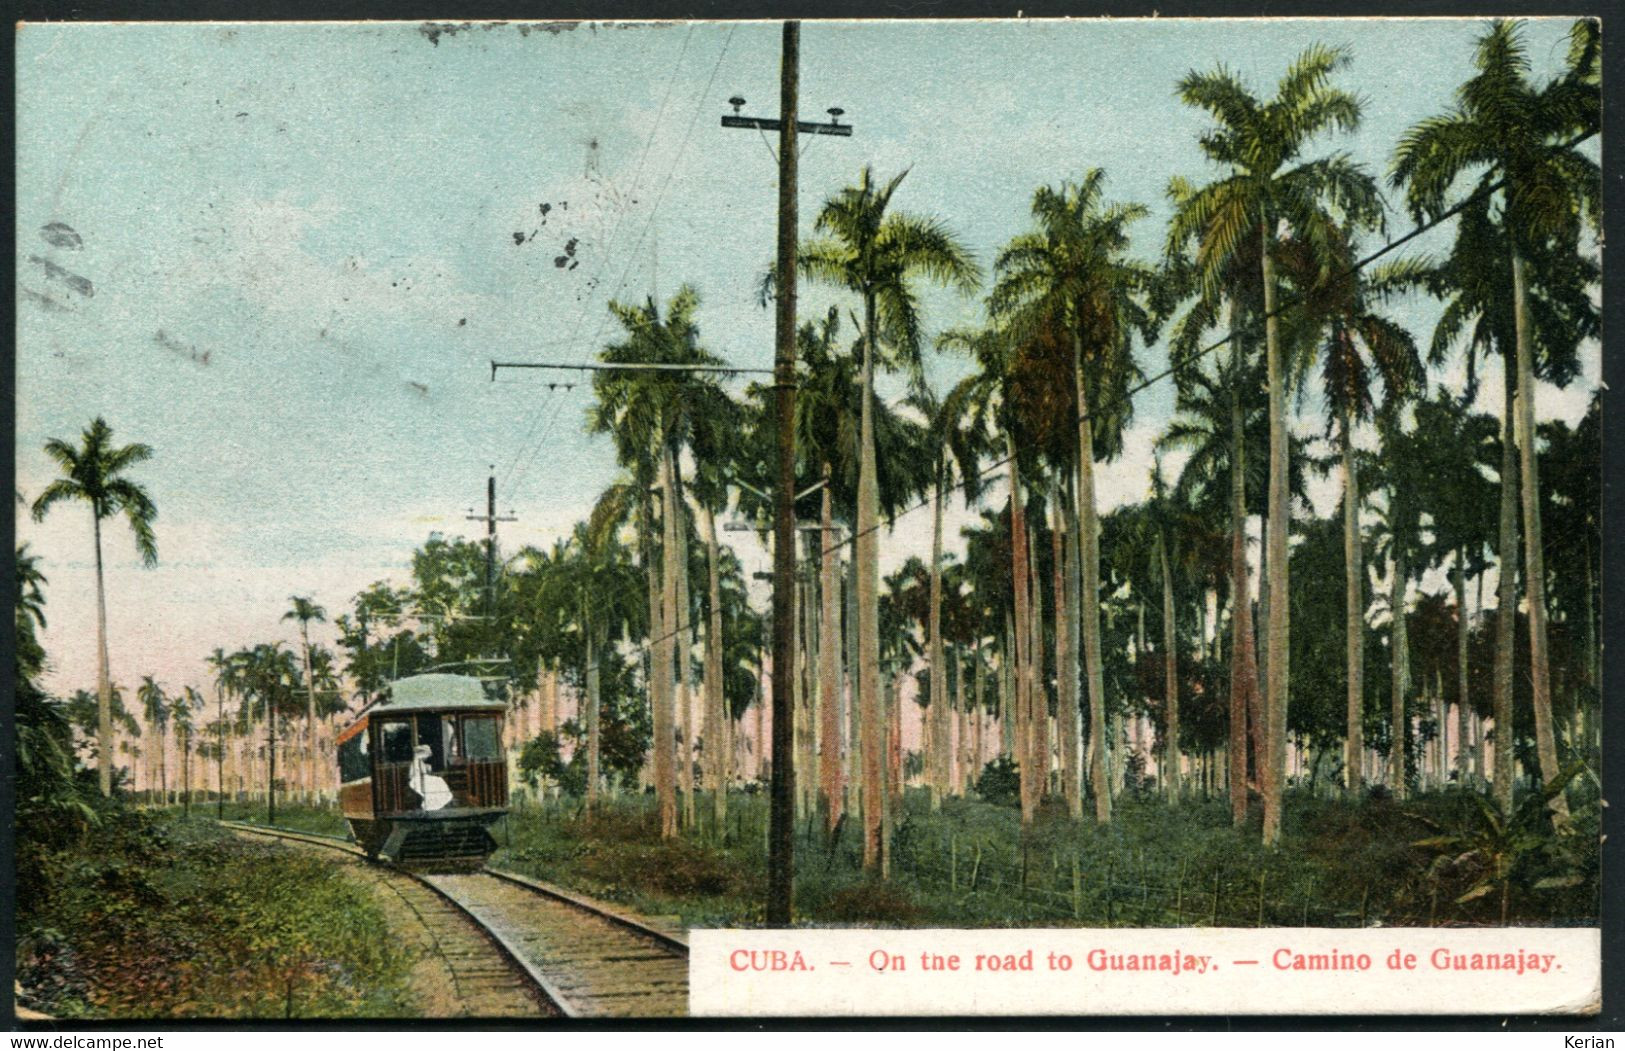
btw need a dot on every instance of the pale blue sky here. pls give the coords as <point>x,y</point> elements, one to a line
<point>328,212</point>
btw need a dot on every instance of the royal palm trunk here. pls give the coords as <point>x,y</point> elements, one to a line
<point>716,717</point>
<point>1170,671</point>
<point>1400,664</point>
<point>1243,669</point>
<point>1534,558</point>
<point>1089,608</point>
<point>940,762</point>
<point>1065,554</point>
<point>665,757</point>
<point>1020,679</point>
<point>1353,614</point>
<point>867,555</point>
<point>829,678</point>
<point>1037,691</point>
<point>807,694</point>
<point>1007,714</point>
<point>1506,598</point>
<point>1463,625</point>
<point>104,678</point>
<point>849,676</point>
<point>978,719</point>
<point>1275,684</point>
<point>960,761</point>
<point>684,627</point>
<point>592,716</point>
<point>310,718</point>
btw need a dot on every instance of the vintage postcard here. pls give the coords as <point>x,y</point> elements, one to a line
<point>533,521</point>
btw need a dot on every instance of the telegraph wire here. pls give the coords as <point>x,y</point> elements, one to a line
<point>515,479</point>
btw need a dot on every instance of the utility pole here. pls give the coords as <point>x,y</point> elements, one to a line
<point>782,816</point>
<point>490,519</point>
<point>781,812</point>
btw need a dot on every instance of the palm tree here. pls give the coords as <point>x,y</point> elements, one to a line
<point>829,409</point>
<point>270,676</point>
<point>1479,318</point>
<point>653,416</point>
<point>1359,342</point>
<point>182,707</point>
<point>1069,275</point>
<point>828,418</point>
<point>92,473</point>
<point>29,611</point>
<point>1268,184</point>
<point>330,702</point>
<point>1173,523</point>
<point>877,256</point>
<point>1401,471</point>
<point>1453,445</point>
<point>714,442</point>
<point>305,611</point>
<point>1224,428</point>
<point>1526,138</point>
<point>1573,516</point>
<point>954,453</point>
<point>155,709</point>
<point>591,588</point>
<point>222,664</point>
<point>999,398</point>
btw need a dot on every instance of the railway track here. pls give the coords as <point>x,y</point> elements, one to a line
<point>582,959</point>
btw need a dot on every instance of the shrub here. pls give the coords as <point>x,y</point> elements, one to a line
<point>1000,782</point>
<point>873,902</point>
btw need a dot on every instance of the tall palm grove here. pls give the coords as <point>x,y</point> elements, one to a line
<point>1218,638</point>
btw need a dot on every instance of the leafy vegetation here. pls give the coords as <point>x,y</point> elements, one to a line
<point>157,918</point>
<point>1345,863</point>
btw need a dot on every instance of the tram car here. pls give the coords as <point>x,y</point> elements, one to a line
<point>422,774</point>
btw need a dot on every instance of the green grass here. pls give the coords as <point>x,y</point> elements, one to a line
<point>155,917</point>
<point>324,820</point>
<point>1341,864</point>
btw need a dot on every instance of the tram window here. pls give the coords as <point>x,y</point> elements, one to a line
<point>481,739</point>
<point>353,758</point>
<point>430,733</point>
<point>397,742</point>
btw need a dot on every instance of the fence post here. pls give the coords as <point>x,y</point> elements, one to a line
<point>1077,887</point>
<point>1179,895</point>
<point>1217,873</point>
<point>1260,922</point>
<point>953,862</point>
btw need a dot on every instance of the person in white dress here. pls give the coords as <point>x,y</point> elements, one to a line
<point>426,783</point>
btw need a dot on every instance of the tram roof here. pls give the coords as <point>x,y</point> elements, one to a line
<point>420,692</point>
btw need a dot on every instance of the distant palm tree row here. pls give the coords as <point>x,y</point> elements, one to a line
<point>1094,652</point>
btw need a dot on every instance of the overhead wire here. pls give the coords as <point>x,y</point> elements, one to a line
<point>620,217</point>
<point>654,209</point>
